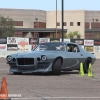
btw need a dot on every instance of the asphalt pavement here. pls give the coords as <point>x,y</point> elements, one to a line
<point>67,86</point>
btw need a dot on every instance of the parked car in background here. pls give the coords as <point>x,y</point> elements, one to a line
<point>51,57</point>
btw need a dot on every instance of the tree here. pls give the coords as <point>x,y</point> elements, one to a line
<point>74,34</point>
<point>65,36</point>
<point>6,27</point>
<point>77,34</point>
<point>70,35</point>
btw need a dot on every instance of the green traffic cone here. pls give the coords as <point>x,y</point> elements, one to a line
<point>81,71</point>
<point>90,74</point>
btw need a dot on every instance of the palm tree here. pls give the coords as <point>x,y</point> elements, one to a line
<point>77,34</point>
<point>65,36</point>
<point>70,35</point>
<point>74,34</point>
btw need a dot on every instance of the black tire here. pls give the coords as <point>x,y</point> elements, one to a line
<point>56,68</point>
<point>86,65</point>
<point>17,73</point>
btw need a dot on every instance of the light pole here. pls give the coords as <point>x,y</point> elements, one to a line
<point>97,23</point>
<point>93,25</point>
<point>56,18</point>
<point>36,33</point>
<point>62,19</point>
<point>97,28</point>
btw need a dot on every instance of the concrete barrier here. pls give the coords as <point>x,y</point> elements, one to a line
<point>5,53</point>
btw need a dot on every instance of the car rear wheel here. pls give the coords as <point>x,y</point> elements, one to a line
<point>86,65</point>
<point>17,73</point>
<point>56,68</point>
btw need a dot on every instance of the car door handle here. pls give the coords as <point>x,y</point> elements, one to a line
<point>81,54</point>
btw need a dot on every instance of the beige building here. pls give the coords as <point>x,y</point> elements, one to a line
<point>86,22</point>
<point>39,23</point>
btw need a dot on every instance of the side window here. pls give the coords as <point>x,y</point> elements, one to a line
<point>72,48</point>
<point>76,48</point>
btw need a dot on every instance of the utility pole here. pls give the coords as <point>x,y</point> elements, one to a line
<point>93,25</point>
<point>56,18</point>
<point>62,20</point>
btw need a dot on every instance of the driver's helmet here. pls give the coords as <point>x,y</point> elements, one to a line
<point>68,48</point>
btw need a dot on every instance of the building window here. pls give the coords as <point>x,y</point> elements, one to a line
<point>78,23</point>
<point>58,23</point>
<point>18,23</point>
<point>15,23</point>
<point>64,24</point>
<point>18,34</point>
<point>36,24</point>
<point>39,25</point>
<point>92,35</point>
<point>87,25</point>
<point>71,23</point>
<point>95,25</point>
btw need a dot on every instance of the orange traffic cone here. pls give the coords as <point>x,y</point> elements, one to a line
<point>4,91</point>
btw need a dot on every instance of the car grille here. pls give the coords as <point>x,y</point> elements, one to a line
<point>25,61</point>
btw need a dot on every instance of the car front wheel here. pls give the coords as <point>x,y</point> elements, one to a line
<point>56,68</point>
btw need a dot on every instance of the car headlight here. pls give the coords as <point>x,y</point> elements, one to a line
<point>9,58</point>
<point>44,58</point>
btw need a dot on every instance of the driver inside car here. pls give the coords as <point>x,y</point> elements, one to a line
<point>68,48</point>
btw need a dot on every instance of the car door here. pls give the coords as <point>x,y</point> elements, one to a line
<point>75,56</point>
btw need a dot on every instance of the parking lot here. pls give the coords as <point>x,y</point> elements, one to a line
<point>67,86</point>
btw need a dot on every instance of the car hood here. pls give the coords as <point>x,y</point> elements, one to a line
<point>35,53</point>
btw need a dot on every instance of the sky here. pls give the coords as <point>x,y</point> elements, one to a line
<point>51,4</point>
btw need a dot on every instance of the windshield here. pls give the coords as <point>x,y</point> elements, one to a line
<point>50,46</point>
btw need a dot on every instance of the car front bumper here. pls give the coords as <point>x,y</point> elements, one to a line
<point>39,67</point>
